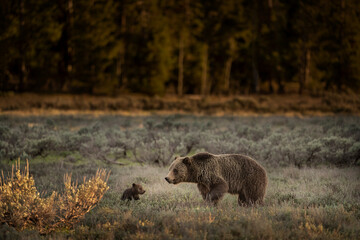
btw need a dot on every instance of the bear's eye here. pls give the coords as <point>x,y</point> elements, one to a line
<point>175,171</point>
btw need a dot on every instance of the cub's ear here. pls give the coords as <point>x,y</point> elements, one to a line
<point>176,157</point>
<point>187,161</point>
<point>133,184</point>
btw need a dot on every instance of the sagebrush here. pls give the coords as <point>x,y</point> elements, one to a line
<point>22,207</point>
<point>275,141</point>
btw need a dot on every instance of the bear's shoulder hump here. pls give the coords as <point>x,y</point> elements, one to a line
<point>202,156</point>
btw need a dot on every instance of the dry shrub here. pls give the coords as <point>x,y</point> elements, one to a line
<point>22,207</point>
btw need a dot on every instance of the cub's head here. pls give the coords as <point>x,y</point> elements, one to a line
<point>179,170</point>
<point>138,188</point>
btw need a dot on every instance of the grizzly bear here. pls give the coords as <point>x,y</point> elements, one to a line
<point>133,192</point>
<point>216,175</point>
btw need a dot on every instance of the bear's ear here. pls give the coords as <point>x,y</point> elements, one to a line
<point>187,161</point>
<point>134,185</point>
<point>176,157</point>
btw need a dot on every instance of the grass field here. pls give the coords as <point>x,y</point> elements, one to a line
<point>312,163</point>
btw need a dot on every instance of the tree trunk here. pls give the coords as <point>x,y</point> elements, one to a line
<point>281,89</point>
<point>120,71</point>
<point>228,64</point>
<point>23,71</point>
<point>256,35</point>
<point>271,88</point>
<point>342,72</point>
<point>255,83</point>
<point>181,65</point>
<point>307,67</point>
<point>204,83</point>
<point>227,75</point>
<point>304,69</point>
<point>271,73</point>
<point>118,67</point>
<point>23,75</point>
<point>67,50</point>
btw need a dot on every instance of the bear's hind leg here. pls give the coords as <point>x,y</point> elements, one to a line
<point>242,200</point>
<point>245,199</point>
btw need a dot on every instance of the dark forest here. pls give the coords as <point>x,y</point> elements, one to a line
<point>160,47</point>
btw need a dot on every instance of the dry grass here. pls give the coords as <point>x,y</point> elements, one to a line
<point>291,104</point>
<point>313,203</point>
<point>307,203</point>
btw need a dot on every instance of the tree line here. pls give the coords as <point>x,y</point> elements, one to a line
<point>180,46</point>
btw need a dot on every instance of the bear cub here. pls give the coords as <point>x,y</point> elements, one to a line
<point>133,192</point>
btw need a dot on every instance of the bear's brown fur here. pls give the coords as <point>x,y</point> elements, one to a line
<point>133,192</point>
<point>216,175</point>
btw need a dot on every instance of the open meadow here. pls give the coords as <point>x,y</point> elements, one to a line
<point>313,166</point>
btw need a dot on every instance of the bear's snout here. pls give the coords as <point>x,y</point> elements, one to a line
<point>167,179</point>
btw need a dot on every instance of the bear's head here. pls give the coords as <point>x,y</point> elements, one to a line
<point>179,170</point>
<point>137,188</point>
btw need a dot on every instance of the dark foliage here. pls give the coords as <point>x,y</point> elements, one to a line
<point>202,47</point>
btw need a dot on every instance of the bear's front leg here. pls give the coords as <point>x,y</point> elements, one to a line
<point>136,197</point>
<point>203,190</point>
<point>217,192</point>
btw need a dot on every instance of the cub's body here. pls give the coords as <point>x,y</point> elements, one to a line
<point>133,192</point>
